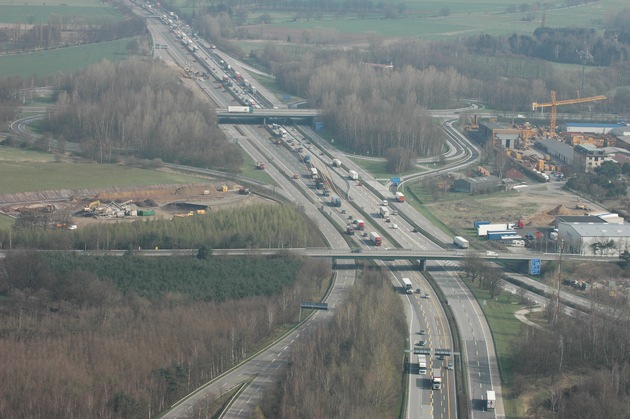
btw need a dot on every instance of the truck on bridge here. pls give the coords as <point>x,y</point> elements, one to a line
<point>383,211</point>
<point>352,174</point>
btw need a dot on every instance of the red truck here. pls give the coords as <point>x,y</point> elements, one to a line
<point>376,239</point>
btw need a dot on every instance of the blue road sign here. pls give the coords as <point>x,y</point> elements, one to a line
<point>534,267</point>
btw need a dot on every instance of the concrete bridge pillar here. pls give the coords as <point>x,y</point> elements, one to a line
<point>422,265</point>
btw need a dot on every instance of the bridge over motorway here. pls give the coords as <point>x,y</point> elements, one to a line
<point>260,114</point>
<point>371,254</point>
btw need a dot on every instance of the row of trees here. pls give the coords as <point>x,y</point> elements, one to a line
<point>88,349</point>
<point>139,108</point>
<point>564,45</point>
<point>351,367</point>
<point>255,226</point>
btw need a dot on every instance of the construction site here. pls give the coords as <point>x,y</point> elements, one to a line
<point>71,209</point>
<point>545,152</point>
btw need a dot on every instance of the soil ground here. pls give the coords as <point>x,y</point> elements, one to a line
<point>167,201</point>
<point>536,204</point>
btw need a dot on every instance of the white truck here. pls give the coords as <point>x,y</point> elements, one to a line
<point>422,364</point>
<point>482,230</point>
<point>407,285</point>
<point>336,163</point>
<point>436,380</point>
<point>461,242</point>
<point>375,238</point>
<point>352,174</point>
<point>383,211</point>
<point>491,400</point>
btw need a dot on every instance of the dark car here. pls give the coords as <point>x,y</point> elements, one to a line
<point>359,250</point>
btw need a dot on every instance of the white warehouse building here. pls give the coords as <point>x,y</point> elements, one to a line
<point>594,238</point>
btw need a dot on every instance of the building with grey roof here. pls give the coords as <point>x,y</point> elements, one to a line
<point>482,184</point>
<point>594,238</point>
<point>560,151</point>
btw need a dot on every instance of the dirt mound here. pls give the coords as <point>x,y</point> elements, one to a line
<point>546,218</point>
<point>561,210</point>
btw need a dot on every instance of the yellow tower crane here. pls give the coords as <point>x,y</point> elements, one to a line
<point>554,103</point>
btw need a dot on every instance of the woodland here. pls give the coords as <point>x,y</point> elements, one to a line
<point>256,226</point>
<point>351,366</point>
<point>114,337</point>
<point>139,108</point>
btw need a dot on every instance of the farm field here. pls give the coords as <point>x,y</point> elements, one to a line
<point>35,12</point>
<point>423,19</point>
<point>23,176</point>
<point>62,60</point>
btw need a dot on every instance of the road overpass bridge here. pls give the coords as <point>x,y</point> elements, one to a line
<point>259,115</point>
<point>362,254</point>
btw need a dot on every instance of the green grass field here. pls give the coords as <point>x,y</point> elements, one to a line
<point>35,12</point>
<point>14,155</point>
<point>63,60</point>
<point>23,176</point>
<point>422,19</point>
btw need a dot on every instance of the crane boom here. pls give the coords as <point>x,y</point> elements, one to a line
<point>554,103</point>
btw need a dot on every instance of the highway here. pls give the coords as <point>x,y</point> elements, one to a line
<point>400,246</point>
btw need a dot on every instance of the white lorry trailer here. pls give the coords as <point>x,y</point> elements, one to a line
<point>422,364</point>
<point>461,242</point>
<point>437,379</point>
<point>491,401</point>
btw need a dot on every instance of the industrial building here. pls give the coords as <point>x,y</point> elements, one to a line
<point>482,184</point>
<point>584,238</point>
<point>560,151</point>
<point>590,128</point>
<point>588,157</point>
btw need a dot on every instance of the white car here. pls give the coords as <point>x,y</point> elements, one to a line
<point>492,253</point>
<point>394,226</point>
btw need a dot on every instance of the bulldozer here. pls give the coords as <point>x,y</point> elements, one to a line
<point>580,205</point>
